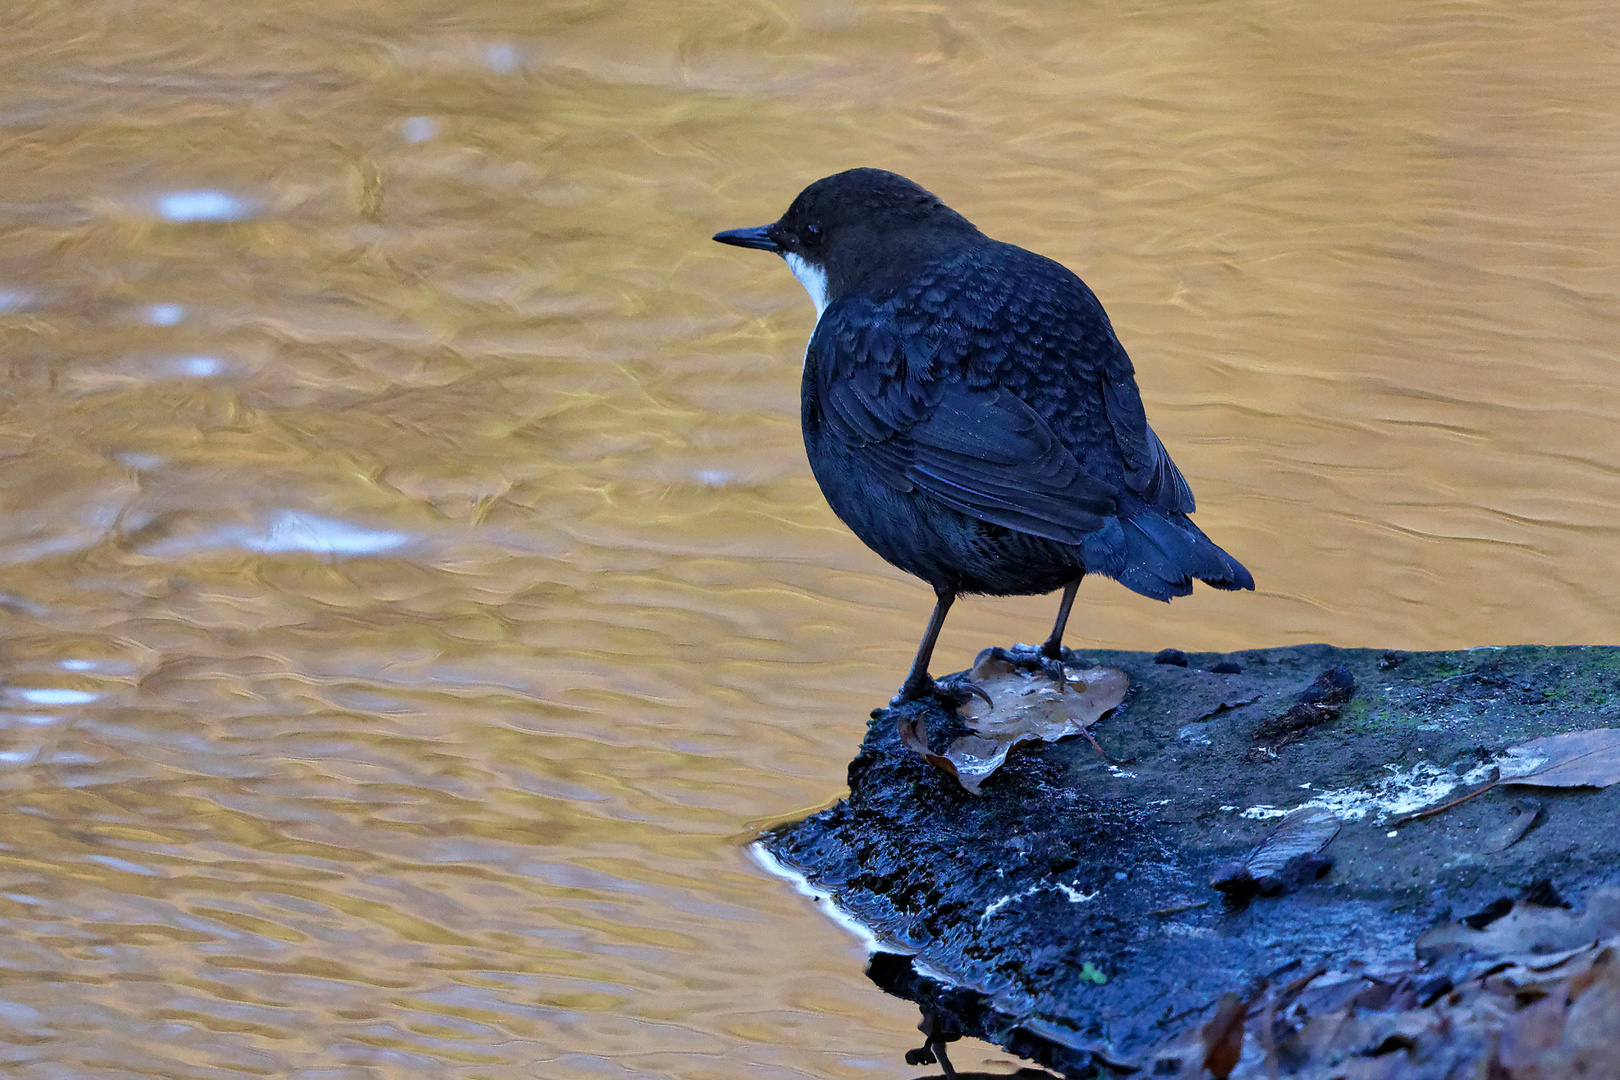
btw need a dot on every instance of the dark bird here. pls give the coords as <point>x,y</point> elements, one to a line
<point>969,413</point>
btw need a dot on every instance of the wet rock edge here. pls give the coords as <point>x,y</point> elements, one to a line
<point>1001,912</point>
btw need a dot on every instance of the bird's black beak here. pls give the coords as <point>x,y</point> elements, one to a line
<point>757,237</point>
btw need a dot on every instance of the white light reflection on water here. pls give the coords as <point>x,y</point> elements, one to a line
<point>294,530</point>
<point>502,59</point>
<point>194,367</point>
<point>137,461</point>
<point>15,300</point>
<point>203,205</point>
<point>419,129</point>
<point>164,314</point>
<point>53,695</point>
<point>286,532</point>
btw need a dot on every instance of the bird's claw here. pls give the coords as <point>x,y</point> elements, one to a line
<point>954,691</point>
<point>949,692</point>
<point>1023,657</point>
<point>1056,671</point>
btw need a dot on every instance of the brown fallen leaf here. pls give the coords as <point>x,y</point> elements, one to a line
<point>1223,1036</point>
<point>1029,703</point>
<point>1588,758</point>
<point>1570,1032</point>
<point>1023,708</point>
<point>1303,832</point>
<point>914,737</point>
<point>1527,932</point>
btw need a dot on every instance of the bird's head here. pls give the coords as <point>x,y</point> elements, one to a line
<point>859,228</point>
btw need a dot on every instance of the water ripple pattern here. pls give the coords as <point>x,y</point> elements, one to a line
<point>414,594</point>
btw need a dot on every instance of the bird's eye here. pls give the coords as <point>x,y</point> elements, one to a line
<point>812,234</point>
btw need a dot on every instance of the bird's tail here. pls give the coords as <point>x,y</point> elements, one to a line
<point>1158,553</point>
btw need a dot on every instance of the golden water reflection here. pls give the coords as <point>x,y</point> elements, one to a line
<point>414,590</point>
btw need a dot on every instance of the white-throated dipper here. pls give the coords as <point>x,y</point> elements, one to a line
<point>969,413</point>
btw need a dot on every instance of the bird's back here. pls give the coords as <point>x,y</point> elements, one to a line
<point>995,314</point>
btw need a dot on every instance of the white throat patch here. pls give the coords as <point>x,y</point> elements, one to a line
<point>813,278</point>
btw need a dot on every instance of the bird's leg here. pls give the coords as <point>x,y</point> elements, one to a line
<point>1052,651</point>
<point>919,684</point>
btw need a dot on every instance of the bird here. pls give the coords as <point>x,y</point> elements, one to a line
<point>970,413</point>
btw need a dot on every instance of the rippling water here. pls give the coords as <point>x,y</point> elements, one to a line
<point>414,593</point>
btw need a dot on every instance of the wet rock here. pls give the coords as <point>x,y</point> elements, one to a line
<point>1335,686</point>
<point>1065,913</point>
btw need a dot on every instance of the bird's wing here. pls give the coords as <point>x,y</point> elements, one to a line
<point>1031,292</point>
<point>1148,468</point>
<point>983,452</point>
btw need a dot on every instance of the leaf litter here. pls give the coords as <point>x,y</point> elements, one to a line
<point>1535,995</point>
<point>1574,759</point>
<point>1022,707</point>
<point>1525,990</point>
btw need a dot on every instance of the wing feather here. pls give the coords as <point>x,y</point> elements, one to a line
<point>985,452</point>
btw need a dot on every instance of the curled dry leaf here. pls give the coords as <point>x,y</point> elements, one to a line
<point>1321,702</point>
<point>1287,858</point>
<point>1516,819</point>
<point>1024,707</point>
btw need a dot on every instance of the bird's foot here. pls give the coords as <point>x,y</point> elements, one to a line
<point>916,689</point>
<point>1033,660</point>
<point>949,692</point>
